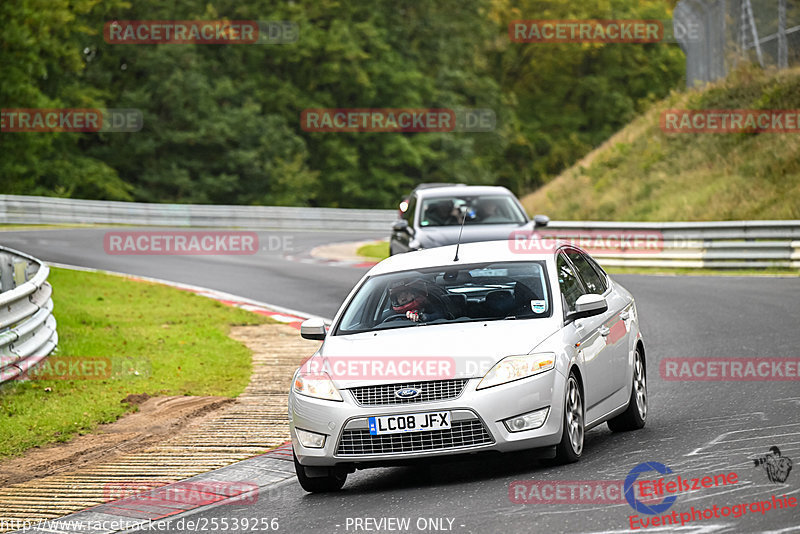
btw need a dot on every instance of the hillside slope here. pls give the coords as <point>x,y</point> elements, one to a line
<point>644,174</point>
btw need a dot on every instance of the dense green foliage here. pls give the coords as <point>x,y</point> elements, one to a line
<point>221,122</point>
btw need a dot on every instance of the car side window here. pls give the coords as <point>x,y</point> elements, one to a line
<point>593,282</point>
<point>600,272</point>
<point>568,283</point>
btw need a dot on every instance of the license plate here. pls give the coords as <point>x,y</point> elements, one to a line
<point>417,422</point>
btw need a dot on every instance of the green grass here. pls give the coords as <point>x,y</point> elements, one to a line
<point>161,341</point>
<point>378,250</point>
<point>644,174</point>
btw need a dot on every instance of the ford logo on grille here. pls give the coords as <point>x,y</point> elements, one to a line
<point>407,393</point>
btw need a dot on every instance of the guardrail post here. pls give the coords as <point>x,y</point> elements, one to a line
<point>20,271</point>
<point>7,282</point>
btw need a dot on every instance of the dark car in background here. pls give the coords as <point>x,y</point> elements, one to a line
<point>432,216</point>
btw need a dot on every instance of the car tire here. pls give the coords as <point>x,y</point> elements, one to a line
<point>571,446</point>
<point>333,481</point>
<point>635,415</point>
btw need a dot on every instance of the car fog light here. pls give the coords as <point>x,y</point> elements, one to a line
<point>310,440</point>
<point>527,421</point>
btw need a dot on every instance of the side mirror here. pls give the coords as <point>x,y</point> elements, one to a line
<point>540,221</point>
<point>402,226</point>
<point>589,305</point>
<point>313,329</point>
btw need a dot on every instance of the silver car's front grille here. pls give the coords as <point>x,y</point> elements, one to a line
<point>461,434</point>
<point>435,390</point>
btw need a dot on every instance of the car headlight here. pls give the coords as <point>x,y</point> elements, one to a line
<point>513,368</point>
<point>319,386</point>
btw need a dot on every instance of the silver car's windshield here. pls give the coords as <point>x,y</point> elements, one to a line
<point>489,209</point>
<point>477,292</point>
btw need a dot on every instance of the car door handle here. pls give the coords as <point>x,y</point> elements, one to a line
<point>625,315</point>
<point>604,331</point>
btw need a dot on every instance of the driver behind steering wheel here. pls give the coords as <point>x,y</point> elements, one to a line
<point>413,300</point>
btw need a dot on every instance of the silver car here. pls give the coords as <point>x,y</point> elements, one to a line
<point>491,347</point>
<point>432,217</point>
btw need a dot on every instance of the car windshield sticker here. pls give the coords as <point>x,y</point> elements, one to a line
<point>539,306</point>
<point>475,273</point>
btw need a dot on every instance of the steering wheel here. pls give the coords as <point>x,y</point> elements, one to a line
<point>393,318</point>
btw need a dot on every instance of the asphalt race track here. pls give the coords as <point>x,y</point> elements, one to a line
<point>315,288</point>
<point>694,428</point>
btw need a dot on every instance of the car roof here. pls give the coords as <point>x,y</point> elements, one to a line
<point>468,253</point>
<point>463,190</point>
<point>436,185</point>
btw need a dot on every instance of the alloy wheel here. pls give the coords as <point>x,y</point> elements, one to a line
<point>575,416</point>
<point>640,383</point>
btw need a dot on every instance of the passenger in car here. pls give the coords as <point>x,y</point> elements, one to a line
<point>489,211</point>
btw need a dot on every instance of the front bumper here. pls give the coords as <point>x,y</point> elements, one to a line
<point>477,423</point>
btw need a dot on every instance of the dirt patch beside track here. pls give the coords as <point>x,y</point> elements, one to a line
<point>158,419</point>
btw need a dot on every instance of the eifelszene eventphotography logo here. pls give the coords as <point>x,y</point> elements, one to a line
<point>638,505</point>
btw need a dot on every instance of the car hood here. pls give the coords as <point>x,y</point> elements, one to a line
<point>464,350</point>
<point>439,236</point>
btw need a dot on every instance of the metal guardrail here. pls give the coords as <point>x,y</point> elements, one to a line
<point>700,245</point>
<point>27,326</point>
<point>719,245</point>
<point>16,209</point>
